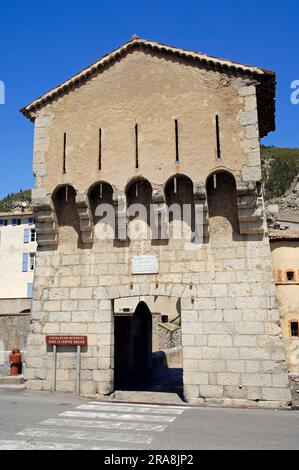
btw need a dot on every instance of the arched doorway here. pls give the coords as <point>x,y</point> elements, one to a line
<point>148,354</point>
<point>133,348</point>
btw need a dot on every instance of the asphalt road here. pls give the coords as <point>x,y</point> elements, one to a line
<point>33,420</point>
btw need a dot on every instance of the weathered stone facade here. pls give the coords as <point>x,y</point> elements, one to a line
<point>232,349</point>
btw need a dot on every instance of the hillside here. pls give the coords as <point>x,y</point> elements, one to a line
<point>281,176</point>
<point>15,199</point>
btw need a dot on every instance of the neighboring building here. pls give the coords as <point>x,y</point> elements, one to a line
<point>17,254</point>
<point>17,264</point>
<point>282,220</point>
<point>285,259</point>
<point>154,124</point>
<point>287,221</point>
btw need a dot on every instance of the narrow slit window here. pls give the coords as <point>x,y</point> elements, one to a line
<point>177,155</point>
<point>136,147</point>
<point>290,276</point>
<point>64,153</point>
<point>295,329</point>
<point>218,137</point>
<point>100,149</point>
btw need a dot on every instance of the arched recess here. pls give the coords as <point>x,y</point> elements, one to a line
<point>100,197</point>
<point>222,203</point>
<point>64,200</point>
<point>24,312</point>
<point>139,193</point>
<point>179,198</point>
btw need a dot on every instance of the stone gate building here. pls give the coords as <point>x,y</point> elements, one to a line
<point>156,125</point>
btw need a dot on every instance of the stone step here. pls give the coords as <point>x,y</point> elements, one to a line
<point>12,380</point>
<point>159,398</point>
<point>12,388</point>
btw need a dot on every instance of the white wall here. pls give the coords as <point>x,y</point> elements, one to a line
<point>13,282</point>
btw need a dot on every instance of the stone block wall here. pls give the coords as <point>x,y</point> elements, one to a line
<point>14,328</point>
<point>232,349</point>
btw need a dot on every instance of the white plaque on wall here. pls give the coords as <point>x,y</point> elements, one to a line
<point>145,264</point>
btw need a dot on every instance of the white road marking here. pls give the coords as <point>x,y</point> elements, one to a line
<point>23,445</point>
<point>141,405</point>
<point>103,425</point>
<point>118,416</point>
<point>114,417</point>
<point>85,435</point>
<point>129,409</point>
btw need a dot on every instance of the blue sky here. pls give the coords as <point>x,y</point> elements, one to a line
<point>44,43</point>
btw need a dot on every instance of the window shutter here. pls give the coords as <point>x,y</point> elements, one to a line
<point>25,263</point>
<point>1,223</point>
<point>29,290</point>
<point>30,221</point>
<point>26,235</point>
<point>14,222</point>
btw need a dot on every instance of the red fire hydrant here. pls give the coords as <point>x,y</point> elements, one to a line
<point>15,359</point>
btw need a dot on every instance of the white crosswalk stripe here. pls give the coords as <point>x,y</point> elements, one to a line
<point>85,435</point>
<point>140,405</point>
<point>121,416</point>
<point>24,445</point>
<point>119,426</point>
<point>130,409</point>
<point>87,423</point>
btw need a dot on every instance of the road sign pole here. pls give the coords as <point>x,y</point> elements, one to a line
<point>55,366</point>
<point>78,368</point>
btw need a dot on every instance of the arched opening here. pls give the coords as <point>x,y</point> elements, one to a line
<point>139,199</point>
<point>102,209</point>
<point>133,348</point>
<point>99,194</point>
<point>222,203</point>
<point>179,198</point>
<point>148,345</point>
<point>64,200</point>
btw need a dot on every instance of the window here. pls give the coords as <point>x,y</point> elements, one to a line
<point>31,261</point>
<point>295,329</point>
<point>33,235</point>
<point>16,222</point>
<point>164,318</point>
<point>290,276</point>
<point>31,221</point>
<point>25,262</point>
<point>26,235</point>
<point>29,290</point>
<point>3,223</point>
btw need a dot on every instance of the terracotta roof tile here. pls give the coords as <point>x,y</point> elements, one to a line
<point>283,235</point>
